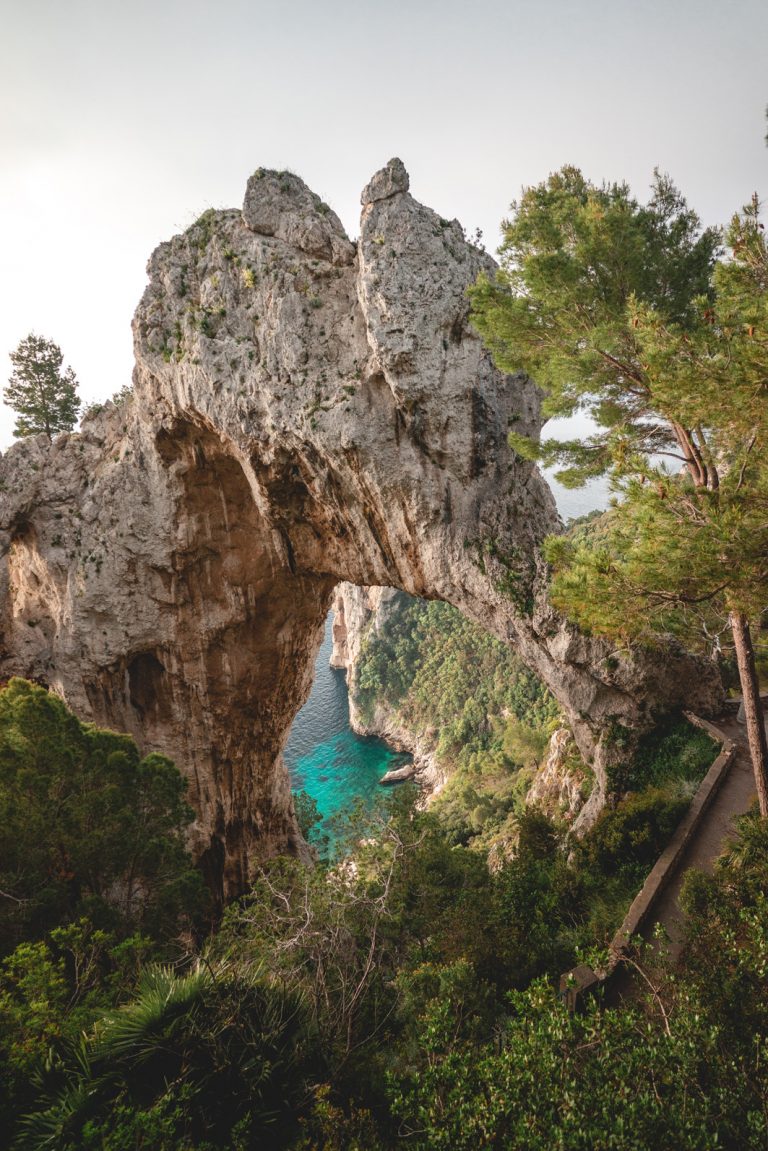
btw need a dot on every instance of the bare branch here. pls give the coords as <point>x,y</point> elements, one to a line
<point>7,895</point>
<point>743,468</point>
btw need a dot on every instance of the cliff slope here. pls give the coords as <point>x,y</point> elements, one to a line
<point>305,411</point>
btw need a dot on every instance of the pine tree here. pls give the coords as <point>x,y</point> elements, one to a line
<point>620,310</point>
<point>43,396</point>
<point>574,259</point>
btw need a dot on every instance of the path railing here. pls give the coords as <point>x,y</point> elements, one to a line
<point>583,979</point>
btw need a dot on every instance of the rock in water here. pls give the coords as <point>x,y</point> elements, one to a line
<point>398,775</point>
<point>304,412</point>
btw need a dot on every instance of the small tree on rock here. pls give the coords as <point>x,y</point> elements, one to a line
<point>43,396</point>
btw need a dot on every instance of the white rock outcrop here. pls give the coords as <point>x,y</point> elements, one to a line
<point>558,785</point>
<point>305,411</point>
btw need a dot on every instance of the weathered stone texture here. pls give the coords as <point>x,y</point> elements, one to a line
<point>305,412</point>
<point>557,785</point>
<point>355,610</point>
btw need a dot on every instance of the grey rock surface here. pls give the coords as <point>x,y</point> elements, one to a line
<point>387,182</point>
<point>304,412</point>
<point>557,785</point>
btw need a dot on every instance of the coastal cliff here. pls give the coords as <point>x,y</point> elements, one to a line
<point>560,781</point>
<point>305,411</point>
<point>356,612</point>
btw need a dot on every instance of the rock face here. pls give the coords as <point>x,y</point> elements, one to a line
<point>355,609</point>
<point>305,411</point>
<point>557,786</point>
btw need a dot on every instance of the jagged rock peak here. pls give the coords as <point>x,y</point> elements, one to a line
<point>280,204</point>
<point>387,182</point>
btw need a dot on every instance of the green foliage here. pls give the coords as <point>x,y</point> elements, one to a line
<point>202,231</point>
<point>620,310</point>
<point>335,1128</point>
<point>89,411</point>
<point>607,1079</point>
<point>539,906</point>
<point>574,259</point>
<point>207,1059</point>
<point>675,751</point>
<point>684,1068</point>
<point>434,918</point>
<point>407,892</point>
<point>43,396</point>
<point>346,1007</point>
<point>524,744</point>
<point>86,825</point>
<point>655,781</point>
<point>122,394</point>
<point>727,952</point>
<point>668,560</point>
<point>33,998</point>
<point>52,990</point>
<point>388,660</point>
<point>627,840</point>
<point>307,812</point>
<point>470,698</point>
<point>446,672</point>
<point>390,996</point>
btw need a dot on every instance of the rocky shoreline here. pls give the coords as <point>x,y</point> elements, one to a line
<point>355,611</point>
<point>387,725</point>
<point>556,788</point>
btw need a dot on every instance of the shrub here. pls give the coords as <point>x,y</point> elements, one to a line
<point>87,827</point>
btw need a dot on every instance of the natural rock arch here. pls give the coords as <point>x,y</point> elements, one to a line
<point>306,411</point>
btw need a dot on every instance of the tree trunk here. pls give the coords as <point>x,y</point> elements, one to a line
<point>753,712</point>
<point>694,462</point>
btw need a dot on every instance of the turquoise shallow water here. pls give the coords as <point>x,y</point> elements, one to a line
<point>324,756</point>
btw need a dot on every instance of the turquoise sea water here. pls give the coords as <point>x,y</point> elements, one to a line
<point>324,756</point>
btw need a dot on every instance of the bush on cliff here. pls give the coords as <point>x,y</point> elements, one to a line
<point>95,879</point>
<point>87,826</point>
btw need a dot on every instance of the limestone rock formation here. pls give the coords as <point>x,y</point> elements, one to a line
<point>305,411</point>
<point>355,610</point>
<point>558,785</point>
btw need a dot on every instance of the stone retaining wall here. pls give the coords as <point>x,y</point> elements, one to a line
<point>583,979</point>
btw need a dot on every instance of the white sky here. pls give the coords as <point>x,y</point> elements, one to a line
<point>122,120</point>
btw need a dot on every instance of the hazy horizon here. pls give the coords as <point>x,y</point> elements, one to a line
<point>121,124</point>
